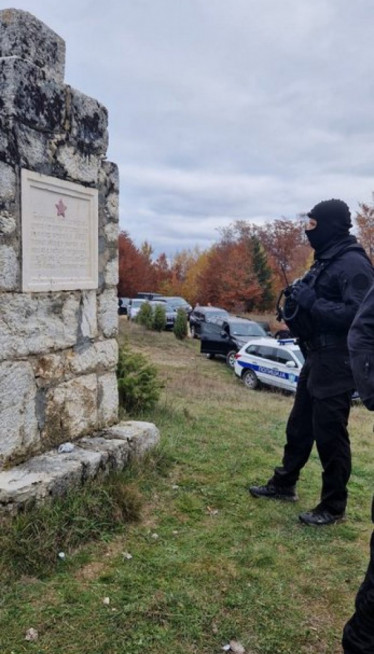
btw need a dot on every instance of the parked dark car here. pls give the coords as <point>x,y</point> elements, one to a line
<point>176,302</point>
<point>148,295</point>
<point>201,315</point>
<point>225,336</point>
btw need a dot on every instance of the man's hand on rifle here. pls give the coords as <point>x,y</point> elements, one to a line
<point>303,295</point>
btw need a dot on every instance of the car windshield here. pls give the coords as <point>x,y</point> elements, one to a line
<point>244,329</point>
<point>137,303</point>
<point>177,301</point>
<point>165,305</point>
<point>299,355</point>
<point>212,313</point>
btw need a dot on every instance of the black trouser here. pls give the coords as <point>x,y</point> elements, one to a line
<point>325,422</point>
<point>358,635</point>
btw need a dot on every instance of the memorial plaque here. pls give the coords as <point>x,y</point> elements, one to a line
<point>59,234</point>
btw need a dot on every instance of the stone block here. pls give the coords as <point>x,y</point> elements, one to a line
<point>77,166</point>
<point>100,357</point>
<point>111,272</point>
<point>50,368</point>
<point>37,323</point>
<point>88,124</point>
<point>29,98</point>
<point>7,184</point>
<point>7,223</point>
<point>88,315</point>
<point>114,453</point>
<point>107,395</point>
<point>24,36</point>
<point>33,147</point>
<point>9,269</point>
<point>18,423</point>
<point>70,410</point>
<point>111,234</point>
<point>141,436</point>
<point>107,312</point>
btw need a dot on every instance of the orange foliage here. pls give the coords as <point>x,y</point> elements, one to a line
<point>228,279</point>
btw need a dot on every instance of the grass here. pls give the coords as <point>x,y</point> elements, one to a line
<point>209,563</point>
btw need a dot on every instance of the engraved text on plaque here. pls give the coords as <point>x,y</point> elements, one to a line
<point>59,234</point>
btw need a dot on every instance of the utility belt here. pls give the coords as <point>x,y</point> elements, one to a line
<point>325,340</point>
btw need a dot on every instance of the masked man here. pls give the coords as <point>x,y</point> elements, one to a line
<point>359,631</point>
<point>326,300</point>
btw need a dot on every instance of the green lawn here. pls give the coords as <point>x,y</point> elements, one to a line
<point>209,564</point>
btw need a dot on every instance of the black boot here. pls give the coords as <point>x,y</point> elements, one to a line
<point>270,491</point>
<point>320,517</point>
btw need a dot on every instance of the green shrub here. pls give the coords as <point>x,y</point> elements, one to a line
<point>145,316</point>
<point>159,318</point>
<point>138,385</point>
<point>180,326</point>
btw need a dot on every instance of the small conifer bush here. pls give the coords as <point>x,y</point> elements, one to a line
<point>138,385</point>
<point>180,326</point>
<point>145,316</point>
<point>159,318</point>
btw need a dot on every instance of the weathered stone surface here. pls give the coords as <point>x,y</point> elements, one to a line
<point>111,272</point>
<point>100,357</point>
<point>51,474</point>
<point>50,368</point>
<point>107,393</point>
<point>77,166</point>
<point>7,224</point>
<point>33,147</point>
<point>18,423</point>
<point>7,183</point>
<point>88,317</point>
<point>141,436</point>
<point>9,269</point>
<point>111,234</point>
<point>29,97</point>
<point>70,410</point>
<point>89,124</point>
<point>107,312</point>
<point>22,35</point>
<point>37,323</point>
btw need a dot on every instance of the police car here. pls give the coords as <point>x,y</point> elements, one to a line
<point>270,362</point>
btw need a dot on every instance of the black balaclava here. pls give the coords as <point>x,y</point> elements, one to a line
<point>333,223</point>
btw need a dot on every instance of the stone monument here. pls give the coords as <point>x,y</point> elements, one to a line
<point>58,257</point>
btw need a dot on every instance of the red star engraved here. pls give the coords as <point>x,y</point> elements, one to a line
<point>61,208</point>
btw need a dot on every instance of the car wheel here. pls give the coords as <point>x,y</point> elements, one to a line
<point>250,380</point>
<point>230,358</point>
<point>193,331</point>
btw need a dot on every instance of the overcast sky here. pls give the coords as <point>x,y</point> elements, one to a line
<point>222,110</point>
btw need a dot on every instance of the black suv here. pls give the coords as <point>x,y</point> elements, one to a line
<point>200,315</point>
<point>225,336</point>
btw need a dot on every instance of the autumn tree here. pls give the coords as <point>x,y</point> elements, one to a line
<point>263,273</point>
<point>287,248</point>
<point>136,270</point>
<point>228,279</point>
<point>365,224</point>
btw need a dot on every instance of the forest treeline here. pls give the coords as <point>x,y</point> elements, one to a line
<point>243,271</point>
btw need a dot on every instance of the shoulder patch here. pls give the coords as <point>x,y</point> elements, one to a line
<point>361,282</point>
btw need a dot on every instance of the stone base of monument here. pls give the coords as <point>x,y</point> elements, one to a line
<point>53,473</point>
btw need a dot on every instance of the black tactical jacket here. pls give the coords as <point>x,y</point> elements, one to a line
<point>340,289</point>
<point>361,350</point>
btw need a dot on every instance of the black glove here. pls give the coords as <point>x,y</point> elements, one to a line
<point>303,295</point>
